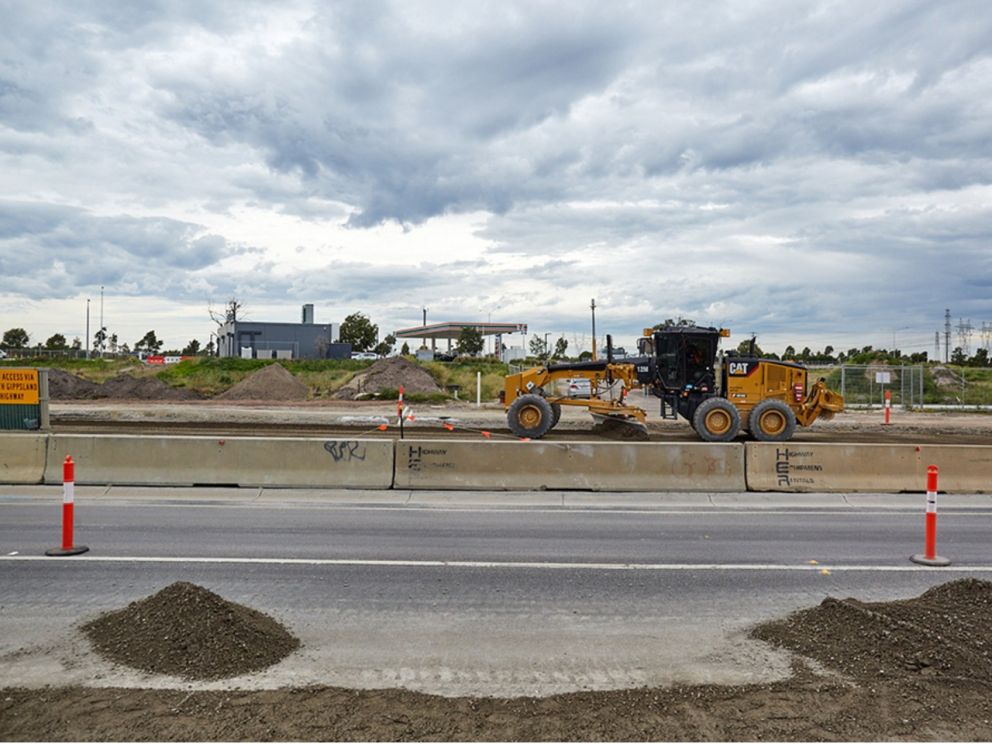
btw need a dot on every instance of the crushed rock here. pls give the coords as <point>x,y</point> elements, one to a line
<point>388,374</point>
<point>272,382</point>
<point>188,631</point>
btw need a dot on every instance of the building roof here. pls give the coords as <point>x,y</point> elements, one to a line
<point>453,329</point>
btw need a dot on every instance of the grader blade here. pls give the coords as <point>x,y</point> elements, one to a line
<point>620,427</point>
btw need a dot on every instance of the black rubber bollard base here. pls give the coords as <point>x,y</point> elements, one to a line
<point>924,561</point>
<point>75,550</point>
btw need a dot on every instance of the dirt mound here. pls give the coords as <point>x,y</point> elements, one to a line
<point>142,388</point>
<point>272,382</point>
<point>389,374</point>
<point>945,631</point>
<point>188,631</point>
<point>64,385</point>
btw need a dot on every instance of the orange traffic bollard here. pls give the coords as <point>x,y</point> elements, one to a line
<point>68,498</point>
<point>929,556</point>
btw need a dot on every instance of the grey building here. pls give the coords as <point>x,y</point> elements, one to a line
<point>260,340</point>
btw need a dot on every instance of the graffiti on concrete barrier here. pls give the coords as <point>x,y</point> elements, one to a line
<point>792,467</point>
<point>345,451</point>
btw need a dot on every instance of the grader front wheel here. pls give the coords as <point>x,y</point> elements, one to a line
<point>530,416</point>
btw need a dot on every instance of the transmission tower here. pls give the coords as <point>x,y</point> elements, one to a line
<point>964,330</point>
<point>936,346</point>
<point>986,336</point>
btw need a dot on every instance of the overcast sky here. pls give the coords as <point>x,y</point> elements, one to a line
<point>814,172</point>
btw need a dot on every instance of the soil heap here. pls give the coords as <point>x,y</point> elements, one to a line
<point>66,386</point>
<point>272,382</point>
<point>945,632</point>
<point>388,374</point>
<point>188,631</point>
<point>143,388</point>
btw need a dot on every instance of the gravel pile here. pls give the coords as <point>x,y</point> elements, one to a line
<point>388,374</point>
<point>946,631</point>
<point>188,631</point>
<point>272,382</point>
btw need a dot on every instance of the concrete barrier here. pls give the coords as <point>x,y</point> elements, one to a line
<point>888,468</point>
<point>211,461</point>
<point>22,458</point>
<point>559,466</point>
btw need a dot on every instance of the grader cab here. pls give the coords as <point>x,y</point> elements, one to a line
<point>764,397</point>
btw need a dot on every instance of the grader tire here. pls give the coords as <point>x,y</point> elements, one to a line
<point>717,420</point>
<point>772,421</point>
<point>555,414</point>
<point>530,416</point>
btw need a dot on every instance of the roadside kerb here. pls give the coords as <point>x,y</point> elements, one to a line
<point>22,458</point>
<point>884,468</point>
<point>211,461</point>
<point>564,466</point>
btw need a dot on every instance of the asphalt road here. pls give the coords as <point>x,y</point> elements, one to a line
<point>461,598</point>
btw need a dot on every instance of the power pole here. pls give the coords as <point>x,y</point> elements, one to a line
<point>87,327</point>
<point>936,346</point>
<point>947,336</point>
<point>592,306</point>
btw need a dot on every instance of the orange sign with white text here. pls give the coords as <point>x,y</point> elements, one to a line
<point>19,387</point>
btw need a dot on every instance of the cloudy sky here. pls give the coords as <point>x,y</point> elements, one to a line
<point>814,172</point>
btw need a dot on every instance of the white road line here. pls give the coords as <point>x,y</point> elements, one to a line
<point>818,568</point>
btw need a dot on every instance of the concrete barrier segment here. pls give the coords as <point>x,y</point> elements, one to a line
<point>885,468</point>
<point>568,466</point>
<point>232,461</point>
<point>22,458</point>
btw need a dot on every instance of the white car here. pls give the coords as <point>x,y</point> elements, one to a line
<point>3,354</point>
<point>575,387</point>
<point>364,355</point>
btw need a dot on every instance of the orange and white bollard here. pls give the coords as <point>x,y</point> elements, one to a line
<point>929,556</point>
<point>399,410</point>
<point>888,407</point>
<point>68,499</point>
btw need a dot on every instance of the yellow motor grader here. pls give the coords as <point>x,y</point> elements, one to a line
<point>764,397</point>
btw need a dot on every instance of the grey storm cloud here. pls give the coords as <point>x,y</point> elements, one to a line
<point>765,163</point>
<point>51,248</point>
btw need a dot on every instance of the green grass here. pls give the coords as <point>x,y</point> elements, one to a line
<point>213,375</point>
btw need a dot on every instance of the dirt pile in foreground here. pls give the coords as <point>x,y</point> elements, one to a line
<point>946,631</point>
<point>388,374</point>
<point>908,670</point>
<point>64,385</point>
<point>272,382</point>
<point>188,631</point>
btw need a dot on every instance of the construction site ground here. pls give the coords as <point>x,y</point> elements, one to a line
<point>351,418</point>
<point>910,669</point>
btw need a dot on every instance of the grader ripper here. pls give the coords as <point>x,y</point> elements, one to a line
<point>764,397</point>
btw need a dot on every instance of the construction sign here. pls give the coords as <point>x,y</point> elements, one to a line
<point>19,387</point>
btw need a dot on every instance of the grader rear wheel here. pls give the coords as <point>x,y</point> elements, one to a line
<point>717,420</point>
<point>530,416</point>
<point>772,421</point>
